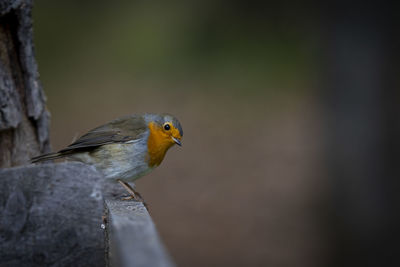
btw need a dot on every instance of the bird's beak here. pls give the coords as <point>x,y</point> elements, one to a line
<point>177,141</point>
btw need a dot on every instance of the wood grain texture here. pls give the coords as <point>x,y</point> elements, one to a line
<point>131,237</point>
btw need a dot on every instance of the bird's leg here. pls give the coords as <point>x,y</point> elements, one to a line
<point>133,194</point>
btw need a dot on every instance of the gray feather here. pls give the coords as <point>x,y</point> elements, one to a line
<point>121,130</point>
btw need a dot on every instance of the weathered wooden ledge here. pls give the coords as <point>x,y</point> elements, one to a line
<point>131,237</point>
<point>52,215</point>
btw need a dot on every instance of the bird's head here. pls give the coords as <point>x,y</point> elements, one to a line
<point>165,131</point>
<point>168,129</point>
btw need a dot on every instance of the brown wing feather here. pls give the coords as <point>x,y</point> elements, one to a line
<point>120,130</point>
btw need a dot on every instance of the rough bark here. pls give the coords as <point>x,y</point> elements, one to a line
<point>24,120</point>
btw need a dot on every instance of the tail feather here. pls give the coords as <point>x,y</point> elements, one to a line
<point>46,157</point>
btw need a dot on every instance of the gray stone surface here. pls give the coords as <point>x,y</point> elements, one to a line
<point>131,236</point>
<point>50,215</point>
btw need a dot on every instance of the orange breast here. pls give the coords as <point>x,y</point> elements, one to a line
<point>157,145</point>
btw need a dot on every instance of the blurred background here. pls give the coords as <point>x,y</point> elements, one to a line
<point>289,111</point>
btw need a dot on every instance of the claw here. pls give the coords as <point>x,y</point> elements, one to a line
<point>132,193</point>
<point>128,198</point>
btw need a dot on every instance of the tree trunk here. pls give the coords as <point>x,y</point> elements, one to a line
<point>24,120</point>
<point>362,130</point>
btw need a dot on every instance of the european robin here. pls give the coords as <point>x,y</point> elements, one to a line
<point>125,148</point>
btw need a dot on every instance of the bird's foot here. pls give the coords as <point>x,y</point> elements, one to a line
<point>128,198</point>
<point>133,195</point>
<point>137,198</point>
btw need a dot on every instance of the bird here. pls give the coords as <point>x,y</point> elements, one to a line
<point>126,148</point>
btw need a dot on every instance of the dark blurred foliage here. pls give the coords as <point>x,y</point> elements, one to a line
<point>289,110</point>
<point>180,40</point>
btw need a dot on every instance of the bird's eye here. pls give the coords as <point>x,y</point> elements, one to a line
<point>167,126</point>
